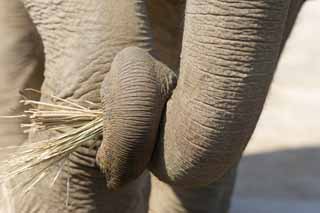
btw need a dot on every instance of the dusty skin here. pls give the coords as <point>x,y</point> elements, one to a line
<point>224,76</point>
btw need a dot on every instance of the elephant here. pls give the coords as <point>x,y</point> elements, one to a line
<point>182,84</point>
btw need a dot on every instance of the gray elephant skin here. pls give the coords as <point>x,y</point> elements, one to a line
<point>182,85</point>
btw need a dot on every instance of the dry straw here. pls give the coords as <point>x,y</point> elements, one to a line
<point>73,123</point>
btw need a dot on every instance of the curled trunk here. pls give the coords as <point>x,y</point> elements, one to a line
<point>134,93</point>
<point>229,53</point>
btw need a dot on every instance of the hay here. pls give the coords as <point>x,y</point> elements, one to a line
<point>74,124</point>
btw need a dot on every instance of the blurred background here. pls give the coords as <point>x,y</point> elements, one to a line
<point>280,171</point>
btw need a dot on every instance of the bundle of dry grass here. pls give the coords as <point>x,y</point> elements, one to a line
<point>75,125</point>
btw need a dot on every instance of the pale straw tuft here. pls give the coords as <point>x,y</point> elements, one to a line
<point>73,123</point>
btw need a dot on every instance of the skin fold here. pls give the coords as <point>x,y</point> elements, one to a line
<point>189,132</point>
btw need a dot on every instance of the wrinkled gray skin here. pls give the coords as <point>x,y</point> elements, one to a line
<point>101,51</point>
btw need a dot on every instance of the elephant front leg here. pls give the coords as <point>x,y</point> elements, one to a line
<point>212,198</point>
<point>21,66</point>
<point>81,39</point>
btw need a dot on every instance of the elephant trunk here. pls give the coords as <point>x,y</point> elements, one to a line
<point>229,53</point>
<point>134,93</point>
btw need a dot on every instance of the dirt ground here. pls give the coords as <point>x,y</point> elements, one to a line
<point>280,170</point>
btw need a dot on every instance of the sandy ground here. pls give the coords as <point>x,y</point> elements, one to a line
<point>280,171</point>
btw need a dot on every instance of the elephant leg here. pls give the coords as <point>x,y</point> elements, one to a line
<point>81,39</point>
<point>166,19</point>
<point>21,66</point>
<point>82,190</point>
<point>213,198</point>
